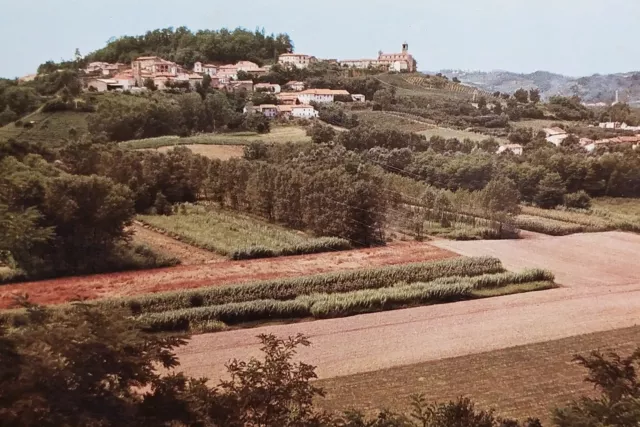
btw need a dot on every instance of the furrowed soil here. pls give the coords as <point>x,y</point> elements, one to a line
<point>600,291</point>
<point>520,382</point>
<point>194,276</point>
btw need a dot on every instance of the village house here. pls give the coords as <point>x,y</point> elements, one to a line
<point>358,98</point>
<point>125,79</point>
<point>303,111</point>
<point>514,148</point>
<point>209,69</point>
<point>239,85</point>
<point>105,68</point>
<point>247,66</point>
<point>269,110</point>
<point>226,73</point>
<point>320,95</point>
<point>555,135</point>
<point>285,110</point>
<point>154,65</point>
<point>295,86</point>
<point>103,85</point>
<point>267,87</point>
<point>287,98</point>
<point>298,60</point>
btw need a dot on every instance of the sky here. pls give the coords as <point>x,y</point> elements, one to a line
<point>572,37</point>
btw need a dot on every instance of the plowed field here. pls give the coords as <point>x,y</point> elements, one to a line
<point>193,276</point>
<point>599,272</point>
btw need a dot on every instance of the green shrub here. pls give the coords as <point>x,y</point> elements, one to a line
<point>578,200</point>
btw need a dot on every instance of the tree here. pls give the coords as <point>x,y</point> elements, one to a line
<point>616,378</point>
<point>521,95</point>
<point>7,116</point>
<point>534,95</point>
<point>482,103</point>
<point>577,200</point>
<point>385,97</point>
<point>497,107</point>
<point>319,132</point>
<point>455,80</point>
<point>219,109</point>
<point>499,197</point>
<point>150,84</point>
<point>259,98</point>
<point>550,191</point>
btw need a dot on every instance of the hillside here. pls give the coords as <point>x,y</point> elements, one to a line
<point>51,129</point>
<point>595,88</point>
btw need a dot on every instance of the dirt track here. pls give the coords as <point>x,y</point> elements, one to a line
<point>599,272</point>
<point>218,273</point>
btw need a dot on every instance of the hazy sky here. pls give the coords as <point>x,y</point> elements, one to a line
<point>574,37</point>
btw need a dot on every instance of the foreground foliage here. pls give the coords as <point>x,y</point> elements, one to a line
<point>102,370</point>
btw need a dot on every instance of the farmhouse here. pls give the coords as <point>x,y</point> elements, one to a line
<point>295,86</point>
<point>514,148</point>
<point>209,69</point>
<point>267,87</point>
<point>303,111</point>
<point>287,98</point>
<point>320,95</point>
<point>555,135</point>
<point>298,60</point>
<point>226,73</point>
<point>103,85</point>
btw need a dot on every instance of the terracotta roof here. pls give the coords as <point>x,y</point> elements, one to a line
<point>227,67</point>
<point>263,106</point>
<point>285,108</point>
<point>143,58</point>
<point>294,54</point>
<point>301,106</point>
<point>555,131</point>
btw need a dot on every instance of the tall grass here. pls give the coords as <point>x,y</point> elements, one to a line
<point>291,288</point>
<point>590,221</point>
<point>239,236</point>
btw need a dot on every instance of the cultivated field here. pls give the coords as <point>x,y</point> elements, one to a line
<point>557,222</point>
<point>278,134</point>
<point>238,236</point>
<point>195,276</point>
<point>459,134</point>
<point>601,291</point>
<point>221,152</point>
<point>539,124</point>
<point>524,381</point>
<point>332,294</point>
<point>385,120</point>
<point>187,254</point>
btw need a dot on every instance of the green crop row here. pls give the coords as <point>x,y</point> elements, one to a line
<point>290,288</point>
<point>547,226</point>
<point>326,305</point>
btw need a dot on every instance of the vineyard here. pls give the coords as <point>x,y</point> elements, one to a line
<point>330,295</point>
<point>238,236</point>
<point>434,82</point>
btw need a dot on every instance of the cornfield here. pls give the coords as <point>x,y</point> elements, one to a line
<point>547,226</point>
<point>590,221</point>
<point>288,289</point>
<point>238,236</point>
<point>325,305</point>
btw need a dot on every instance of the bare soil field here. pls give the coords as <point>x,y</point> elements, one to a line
<point>601,280</point>
<point>518,382</point>
<point>221,152</point>
<point>192,276</point>
<point>187,254</point>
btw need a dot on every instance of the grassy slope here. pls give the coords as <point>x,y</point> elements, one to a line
<point>49,128</point>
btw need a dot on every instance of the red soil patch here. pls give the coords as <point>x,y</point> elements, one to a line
<point>62,290</point>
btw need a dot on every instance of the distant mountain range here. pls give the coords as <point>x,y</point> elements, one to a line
<point>596,88</point>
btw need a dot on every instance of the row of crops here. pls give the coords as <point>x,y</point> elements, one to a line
<point>328,295</point>
<point>557,222</point>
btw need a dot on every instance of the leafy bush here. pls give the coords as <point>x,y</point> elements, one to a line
<point>577,200</point>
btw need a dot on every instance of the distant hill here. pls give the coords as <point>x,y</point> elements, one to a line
<point>595,88</point>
